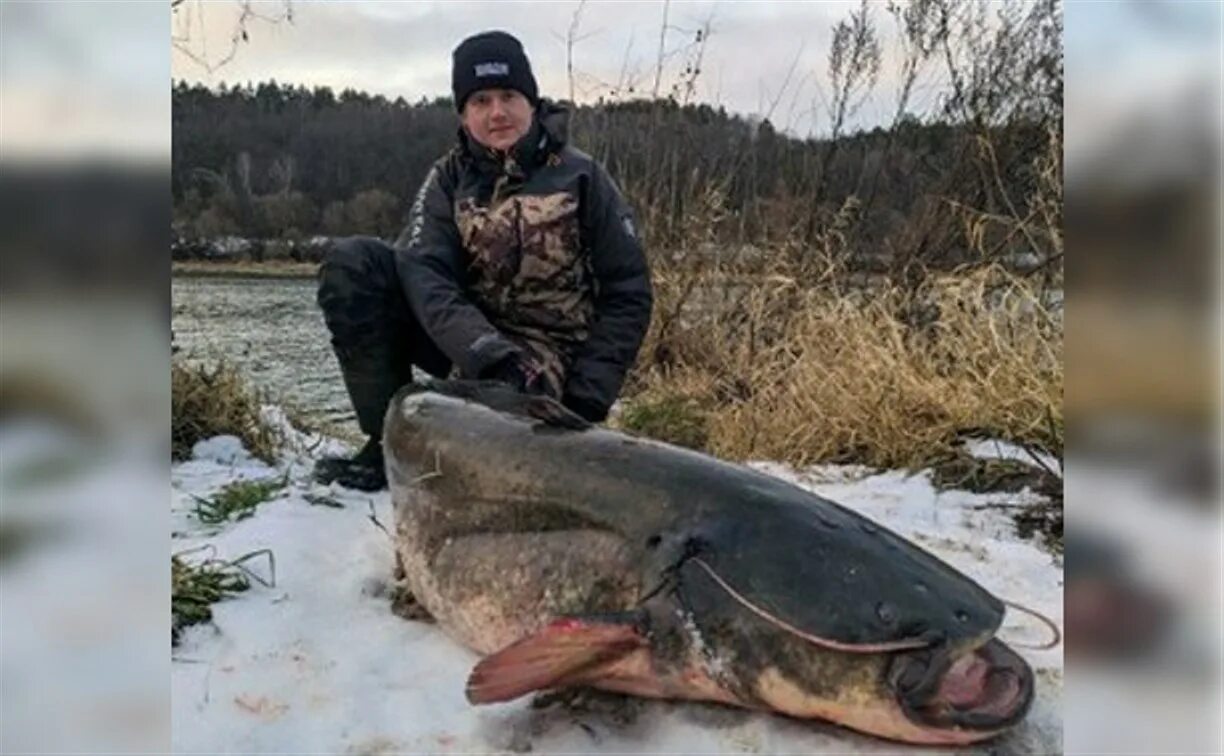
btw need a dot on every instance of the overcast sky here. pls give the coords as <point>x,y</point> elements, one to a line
<point>404,49</point>
<point>1127,62</point>
<point>89,76</point>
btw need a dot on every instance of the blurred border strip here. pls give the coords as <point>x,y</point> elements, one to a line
<point>84,376</point>
<point>1143,401</point>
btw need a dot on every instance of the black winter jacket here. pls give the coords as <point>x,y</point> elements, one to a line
<point>535,254</point>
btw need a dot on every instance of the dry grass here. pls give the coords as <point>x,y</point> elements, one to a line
<point>210,401</point>
<point>793,364</point>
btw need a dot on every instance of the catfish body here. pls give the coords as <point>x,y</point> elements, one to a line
<point>583,556</point>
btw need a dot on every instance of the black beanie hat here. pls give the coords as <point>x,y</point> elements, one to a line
<point>491,59</point>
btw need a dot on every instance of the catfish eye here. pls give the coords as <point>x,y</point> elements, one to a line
<point>653,541</point>
<point>694,545</point>
<point>886,613</point>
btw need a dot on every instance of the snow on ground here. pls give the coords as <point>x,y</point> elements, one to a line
<point>318,663</point>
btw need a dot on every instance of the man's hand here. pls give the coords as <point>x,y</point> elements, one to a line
<point>588,411</point>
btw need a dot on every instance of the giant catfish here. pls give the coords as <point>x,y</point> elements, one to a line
<point>569,555</point>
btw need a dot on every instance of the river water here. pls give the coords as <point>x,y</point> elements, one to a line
<point>274,332</point>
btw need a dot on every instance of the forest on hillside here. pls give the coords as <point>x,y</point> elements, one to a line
<point>976,179</point>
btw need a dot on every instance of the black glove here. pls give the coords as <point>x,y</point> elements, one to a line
<point>519,374</point>
<point>588,411</point>
<point>508,371</point>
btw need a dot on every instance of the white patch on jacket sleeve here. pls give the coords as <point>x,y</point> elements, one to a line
<point>416,217</point>
<point>627,222</point>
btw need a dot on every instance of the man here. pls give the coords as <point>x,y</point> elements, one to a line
<point>520,263</point>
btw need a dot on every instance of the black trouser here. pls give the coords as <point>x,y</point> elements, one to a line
<point>376,337</point>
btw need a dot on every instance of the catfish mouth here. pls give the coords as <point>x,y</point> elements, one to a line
<point>986,689</point>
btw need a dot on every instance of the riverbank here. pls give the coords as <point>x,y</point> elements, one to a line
<point>977,355</point>
<point>285,269</point>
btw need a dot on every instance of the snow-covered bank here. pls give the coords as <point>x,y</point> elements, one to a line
<point>319,663</point>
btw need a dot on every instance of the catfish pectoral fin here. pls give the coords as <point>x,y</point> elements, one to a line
<point>554,414</point>
<point>553,657</point>
<point>503,398</point>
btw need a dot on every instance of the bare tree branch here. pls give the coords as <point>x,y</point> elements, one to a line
<point>654,93</point>
<point>570,39</point>
<point>193,45</point>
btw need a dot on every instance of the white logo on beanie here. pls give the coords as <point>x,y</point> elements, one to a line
<point>492,69</point>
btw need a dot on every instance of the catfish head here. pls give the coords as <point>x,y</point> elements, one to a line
<point>918,690</point>
<point>845,622</point>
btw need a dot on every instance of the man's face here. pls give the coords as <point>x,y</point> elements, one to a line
<point>497,118</point>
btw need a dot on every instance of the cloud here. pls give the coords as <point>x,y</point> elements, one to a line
<point>404,49</point>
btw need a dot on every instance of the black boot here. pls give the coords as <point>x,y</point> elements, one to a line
<point>363,471</point>
<point>377,341</point>
<point>370,379</point>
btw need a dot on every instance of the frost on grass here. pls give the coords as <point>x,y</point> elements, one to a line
<point>195,585</point>
<point>237,500</point>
